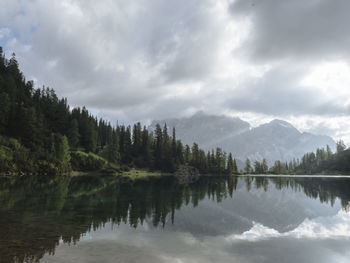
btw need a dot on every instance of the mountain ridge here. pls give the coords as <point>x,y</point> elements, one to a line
<point>275,140</point>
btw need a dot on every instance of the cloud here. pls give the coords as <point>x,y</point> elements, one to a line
<point>136,61</point>
<point>118,54</point>
<point>296,29</point>
<point>323,239</point>
<point>280,92</point>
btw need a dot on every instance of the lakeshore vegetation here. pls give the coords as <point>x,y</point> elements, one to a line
<point>41,134</point>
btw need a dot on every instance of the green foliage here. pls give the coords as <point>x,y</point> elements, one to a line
<point>279,168</point>
<point>82,161</point>
<point>340,146</point>
<point>63,154</point>
<point>321,162</point>
<point>248,166</point>
<point>73,134</point>
<point>111,151</point>
<point>44,129</point>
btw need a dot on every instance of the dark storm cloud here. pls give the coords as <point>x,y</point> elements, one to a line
<point>303,30</point>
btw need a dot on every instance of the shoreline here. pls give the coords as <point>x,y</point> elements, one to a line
<point>143,174</point>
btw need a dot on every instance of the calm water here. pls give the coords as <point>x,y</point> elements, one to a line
<point>216,219</point>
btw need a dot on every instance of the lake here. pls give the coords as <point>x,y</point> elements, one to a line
<point>215,219</point>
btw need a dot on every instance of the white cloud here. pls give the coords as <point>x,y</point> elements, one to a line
<point>156,59</point>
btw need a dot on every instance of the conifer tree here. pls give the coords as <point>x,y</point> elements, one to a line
<point>73,134</point>
<point>264,167</point>
<point>340,146</point>
<point>248,167</point>
<point>63,154</point>
<point>136,139</point>
<point>159,146</point>
<point>230,168</point>
<point>188,157</point>
<point>234,167</point>
<point>112,150</point>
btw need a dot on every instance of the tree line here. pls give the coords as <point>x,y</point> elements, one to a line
<point>321,161</point>
<point>40,133</point>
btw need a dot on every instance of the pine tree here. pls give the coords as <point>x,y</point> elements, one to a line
<point>340,146</point>
<point>112,150</point>
<point>179,153</point>
<point>230,165</point>
<point>146,148</point>
<point>195,155</point>
<point>63,154</point>
<point>73,134</point>
<point>173,144</point>
<point>264,166</point>
<point>188,157</point>
<point>127,156</point>
<point>159,146</point>
<point>257,167</point>
<point>329,152</point>
<point>218,159</point>
<point>248,167</point>
<point>4,109</point>
<point>136,139</point>
<point>234,167</point>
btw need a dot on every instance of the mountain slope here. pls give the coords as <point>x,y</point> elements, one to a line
<point>276,140</point>
<point>206,130</point>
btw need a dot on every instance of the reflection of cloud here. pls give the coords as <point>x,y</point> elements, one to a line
<point>125,244</point>
<point>257,232</point>
<point>319,228</point>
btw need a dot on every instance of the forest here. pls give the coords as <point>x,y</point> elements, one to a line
<point>324,161</point>
<point>41,134</point>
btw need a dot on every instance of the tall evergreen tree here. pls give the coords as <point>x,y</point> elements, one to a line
<point>73,134</point>
<point>112,150</point>
<point>340,146</point>
<point>63,154</point>
<point>248,167</point>
<point>230,165</point>
<point>234,167</point>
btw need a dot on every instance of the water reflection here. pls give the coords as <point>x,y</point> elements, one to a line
<point>37,214</point>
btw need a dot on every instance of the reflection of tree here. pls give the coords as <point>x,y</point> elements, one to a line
<point>324,189</point>
<point>36,213</point>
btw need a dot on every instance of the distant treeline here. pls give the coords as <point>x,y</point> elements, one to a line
<point>41,134</point>
<point>322,162</point>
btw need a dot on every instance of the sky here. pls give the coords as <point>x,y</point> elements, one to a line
<point>153,59</point>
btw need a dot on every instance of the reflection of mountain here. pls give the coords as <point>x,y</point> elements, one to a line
<point>36,213</point>
<point>277,140</point>
<point>277,209</point>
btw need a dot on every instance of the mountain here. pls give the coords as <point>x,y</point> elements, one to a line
<point>276,140</point>
<point>206,130</point>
